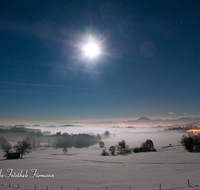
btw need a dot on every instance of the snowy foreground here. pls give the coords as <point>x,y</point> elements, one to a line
<point>85,169</point>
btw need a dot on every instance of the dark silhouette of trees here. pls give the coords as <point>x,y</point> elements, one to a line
<point>106,134</point>
<point>146,146</point>
<point>112,150</point>
<point>101,144</point>
<point>77,141</point>
<point>23,148</point>
<point>128,150</point>
<point>39,133</point>
<point>17,128</point>
<point>191,142</point>
<point>98,136</point>
<point>122,146</point>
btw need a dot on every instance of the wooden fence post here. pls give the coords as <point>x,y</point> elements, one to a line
<point>129,188</point>
<point>18,186</point>
<point>159,186</point>
<point>189,183</point>
<point>35,187</point>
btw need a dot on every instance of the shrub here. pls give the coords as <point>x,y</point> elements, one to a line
<point>104,153</point>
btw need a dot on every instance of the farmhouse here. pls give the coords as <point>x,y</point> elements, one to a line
<point>13,155</point>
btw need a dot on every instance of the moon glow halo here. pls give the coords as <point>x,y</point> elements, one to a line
<point>91,50</point>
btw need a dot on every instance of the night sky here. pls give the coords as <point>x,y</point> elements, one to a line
<point>149,63</point>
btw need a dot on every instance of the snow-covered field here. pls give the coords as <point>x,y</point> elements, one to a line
<point>87,170</point>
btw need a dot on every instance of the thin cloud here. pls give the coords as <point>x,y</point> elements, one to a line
<point>39,29</point>
<point>103,122</point>
<point>45,85</point>
<point>48,65</point>
<point>26,92</point>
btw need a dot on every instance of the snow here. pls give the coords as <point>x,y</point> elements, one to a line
<point>87,170</point>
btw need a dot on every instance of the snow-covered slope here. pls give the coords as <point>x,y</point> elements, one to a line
<point>87,170</point>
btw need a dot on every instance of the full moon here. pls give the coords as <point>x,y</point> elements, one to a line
<point>91,50</point>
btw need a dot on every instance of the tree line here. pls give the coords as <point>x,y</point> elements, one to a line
<point>77,141</point>
<point>56,140</point>
<point>123,148</point>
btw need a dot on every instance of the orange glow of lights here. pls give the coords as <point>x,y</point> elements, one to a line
<point>194,131</point>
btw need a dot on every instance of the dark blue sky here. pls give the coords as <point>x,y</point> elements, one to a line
<point>149,66</point>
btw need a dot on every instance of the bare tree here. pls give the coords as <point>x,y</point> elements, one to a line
<point>31,140</point>
<point>65,150</point>
<point>23,148</point>
<point>38,143</point>
<point>6,148</point>
<point>3,141</point>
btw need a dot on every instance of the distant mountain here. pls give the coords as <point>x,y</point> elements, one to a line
<point>69,126</point>
<point>103,122</point>
<point>158,127</point>
<point>181,121</point>
<point>130,127</point>
<point>185,119</point>
<point>144,120</point>
<point>117,127</point>
<point>66,126</point>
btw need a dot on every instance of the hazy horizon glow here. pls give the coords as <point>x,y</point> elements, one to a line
<point>108,122</point>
